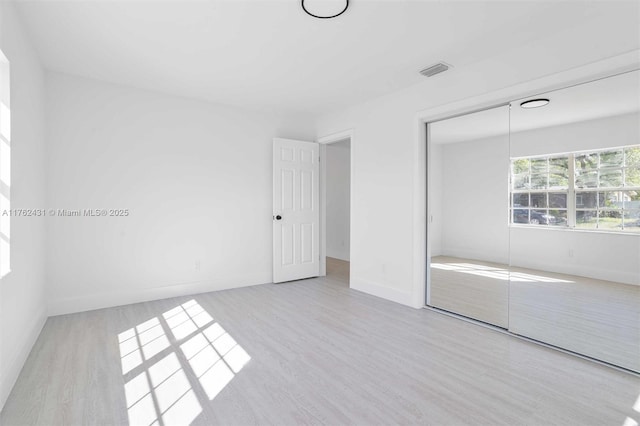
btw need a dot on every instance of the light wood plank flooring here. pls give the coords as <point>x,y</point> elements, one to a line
<point>338,269</point>
<point>320,353</point>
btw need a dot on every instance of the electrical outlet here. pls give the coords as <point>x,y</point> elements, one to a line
<point>197,266</point>
<point>570,252</point>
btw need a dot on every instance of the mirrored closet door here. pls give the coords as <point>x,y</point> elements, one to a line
<point>575,219</point>
<point>469,244</point>
<point>534,218</point>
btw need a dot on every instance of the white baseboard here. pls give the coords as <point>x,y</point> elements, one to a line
<point>14,366</point>
<point>126,296</point>
<point>485,255</point>
<point>383,292</point>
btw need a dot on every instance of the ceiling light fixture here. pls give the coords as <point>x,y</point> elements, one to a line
<point>346,6</point>
<point>534,103</point>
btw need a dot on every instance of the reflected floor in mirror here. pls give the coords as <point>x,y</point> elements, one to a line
<point>596,318</point>
<point>475,289</point>
<point>306,352</point>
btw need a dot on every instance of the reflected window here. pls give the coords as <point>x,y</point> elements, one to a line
<point>5,167</point>
<point>604,186</point>
<point>539,190</point>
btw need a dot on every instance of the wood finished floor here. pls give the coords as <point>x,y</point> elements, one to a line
<point>320,354</point>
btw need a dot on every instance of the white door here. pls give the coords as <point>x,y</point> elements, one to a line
<point>296,215</point>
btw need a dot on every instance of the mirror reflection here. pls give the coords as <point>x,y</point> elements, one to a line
<point>575,219</point>
<point>469,160</point>
<point>534,218</point>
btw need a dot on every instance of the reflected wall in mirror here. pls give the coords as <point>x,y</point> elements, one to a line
<point>575,220</point>
<point>468,207</point>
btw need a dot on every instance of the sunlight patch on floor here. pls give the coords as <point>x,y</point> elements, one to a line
<point>157,386</point>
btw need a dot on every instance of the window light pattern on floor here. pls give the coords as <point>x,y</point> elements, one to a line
<point>631,421</point>
<point>502,274</point>
<point>172,361</point>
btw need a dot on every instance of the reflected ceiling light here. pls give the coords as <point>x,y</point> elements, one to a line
<point>534,103</point>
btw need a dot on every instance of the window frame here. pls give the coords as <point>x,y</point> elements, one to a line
<point>5,166</point>
<point>572,191</point>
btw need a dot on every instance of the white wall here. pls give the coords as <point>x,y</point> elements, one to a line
<point>609,132</point>
<point>338,199</point>
<point>195,177</point>
<point>22,294</point>
<point>385,186</point>
<point>474,213</point>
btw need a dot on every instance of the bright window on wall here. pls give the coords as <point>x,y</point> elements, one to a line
<point>5,167</point>
<point>594,190</point>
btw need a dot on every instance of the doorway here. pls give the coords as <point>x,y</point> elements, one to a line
<point>335,194</point>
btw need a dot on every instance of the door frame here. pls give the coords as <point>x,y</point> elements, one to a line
<point>323,142</point>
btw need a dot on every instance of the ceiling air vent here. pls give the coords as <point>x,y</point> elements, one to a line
<point>435,69</point>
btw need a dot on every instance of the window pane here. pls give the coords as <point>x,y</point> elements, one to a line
<point>632,220</point>
<point>539,165</point>
<point>559,217</point>
<point>558,181</point>
<point>632,176</point>
<point>520,216</point>
<point>539,217</point>
<point>601,200</point>
<point>559,167</point>
<point>586,162</point>
<point>520,200</point>
<point>521,181</point>
<point>631,200</point>
<point>559,163</point>
<point>632,156</point>
<point>610,220</point>
<point>539,200</point>
<point>587,200</point>
<point>539,181</point>
<point>587,180</point>
<point>586,219</point>
<point>610,178</point>
<point>520,166</point>
<point>559,173</point>
<point>611,158</point>
<point>558,200</point>
<point>611,199</point>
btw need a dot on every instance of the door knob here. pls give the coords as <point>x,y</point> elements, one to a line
<point>278,217</point>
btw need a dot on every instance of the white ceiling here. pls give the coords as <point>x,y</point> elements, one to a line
<point>264,54</point>
<point>598,99</point>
